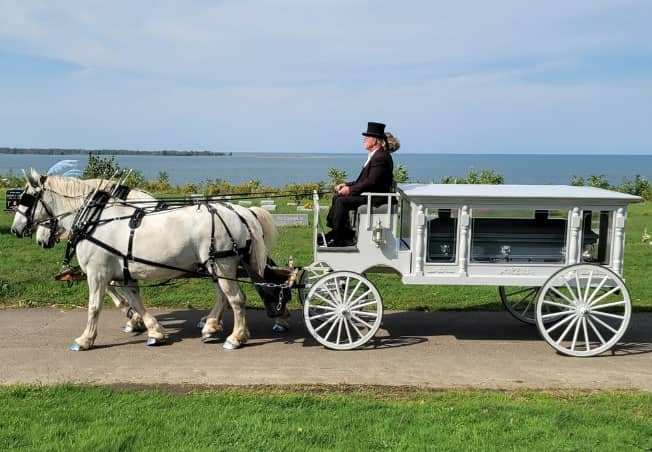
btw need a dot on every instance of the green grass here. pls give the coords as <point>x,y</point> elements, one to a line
<point>91,418</point>
<point>26,275</point>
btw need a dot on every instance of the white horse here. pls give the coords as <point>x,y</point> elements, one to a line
<point>48,234</point>
<point>178,240</point>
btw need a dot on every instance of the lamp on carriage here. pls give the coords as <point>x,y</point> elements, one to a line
<point>377,235</point>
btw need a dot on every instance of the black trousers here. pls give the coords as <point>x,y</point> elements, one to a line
<point>338,216</point>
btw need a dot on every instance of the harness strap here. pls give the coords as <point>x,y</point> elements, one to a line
<point>134,223</point>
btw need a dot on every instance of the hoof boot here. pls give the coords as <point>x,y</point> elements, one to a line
<point>128,329</point>
<point>75,347</point>
<point>209,337</point>
<point>278,328</point>
<point>201,324</point>
<point>152,341</point>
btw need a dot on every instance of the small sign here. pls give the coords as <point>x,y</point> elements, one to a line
<point>13,198</point>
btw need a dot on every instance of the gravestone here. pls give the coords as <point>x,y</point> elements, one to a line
<point>290,219</point>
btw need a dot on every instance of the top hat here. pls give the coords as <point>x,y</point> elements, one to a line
<point>375,129</point>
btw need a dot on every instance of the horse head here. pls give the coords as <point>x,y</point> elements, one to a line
<point>31,208</point>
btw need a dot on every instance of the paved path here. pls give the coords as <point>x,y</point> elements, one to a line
<point>433,350</point>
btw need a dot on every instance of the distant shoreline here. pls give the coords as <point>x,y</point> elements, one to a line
<point>56,151</point>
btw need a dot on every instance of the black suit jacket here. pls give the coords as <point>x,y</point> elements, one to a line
<point>377,176</point>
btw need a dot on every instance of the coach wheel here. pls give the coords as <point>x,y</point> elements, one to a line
<point>521,303</point>
<point>343,310</point>
<point>594,309</point>
<point>309,275</point>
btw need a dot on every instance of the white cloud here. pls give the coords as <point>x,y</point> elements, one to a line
<point>305,76</point>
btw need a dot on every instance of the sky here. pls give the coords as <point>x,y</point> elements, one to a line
<point>501,76</point>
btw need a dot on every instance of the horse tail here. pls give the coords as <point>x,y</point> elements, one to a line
<point>269,228</point>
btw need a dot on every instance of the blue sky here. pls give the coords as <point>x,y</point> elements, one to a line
<point>305,76</point>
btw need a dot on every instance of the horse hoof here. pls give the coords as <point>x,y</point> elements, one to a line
<point>229,346</point>
<point>152,341</point>
<point>75,347</point>
<point>209,337</point>
<point>278,328</point>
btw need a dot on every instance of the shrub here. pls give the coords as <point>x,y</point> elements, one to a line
<point>638,186</point>
<point>485,176</point>
<point>100,167</point>
<point>337,176</point>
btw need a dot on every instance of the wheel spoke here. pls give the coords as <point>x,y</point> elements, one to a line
<point>339,290</point>
<point>597,289</point>
<point>357,330</point>
<point>578,286</point>
<point>339,329</point>
<point>364,313</point>
<point>531,289</point>
<point>557,314</point>
<point>529,303</point>
<point>570,325</point>
<point>330,330</point>
<point>577,329</point>
<point>604,324</point>
<point>572,292</point>
<point>570,302</point>
<point>362,305</point>
<point>330,319</point>
<point>559,305</point>
<point>588,286</point>
<point>586,334</point>
<point>607,314</point>
<point>330,292</point>
<point>353,316</point>
<point>360,297</point>
<point>608,305</point>
<point>321,306</point>
<point>558,324</point>
<point>348,330</point>
<point>603,296</point>
<point>595,330</point>
<point>520,301</point>
<point>325,300</point>
<point>321,316</point>
<point>355,289</point>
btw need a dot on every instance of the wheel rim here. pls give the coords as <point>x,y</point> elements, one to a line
<point>310,275</point>
<point>520,302</point>
<point>343,310</point>
<point>594,310</point>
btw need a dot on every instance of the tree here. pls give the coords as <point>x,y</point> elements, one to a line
<point>100,168</point>
<point>400,174</point>
<point>337,176</point>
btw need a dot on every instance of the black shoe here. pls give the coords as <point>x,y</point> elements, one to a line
<point>340,243</point>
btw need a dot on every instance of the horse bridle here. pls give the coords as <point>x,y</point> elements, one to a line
<point>31,201</point>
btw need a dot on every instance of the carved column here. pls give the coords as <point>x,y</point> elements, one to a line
<point>574,248</point>
<point>419,249</point>
<point>619,241</point>
<point>465,223</point>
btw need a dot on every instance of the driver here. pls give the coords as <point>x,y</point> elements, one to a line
<point>376,176</point>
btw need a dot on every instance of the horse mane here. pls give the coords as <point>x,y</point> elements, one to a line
<point>73,191</point>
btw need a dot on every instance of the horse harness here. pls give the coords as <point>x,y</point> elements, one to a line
<point>274,295</point>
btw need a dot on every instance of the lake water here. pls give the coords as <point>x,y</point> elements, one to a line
<point>278,169</point>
